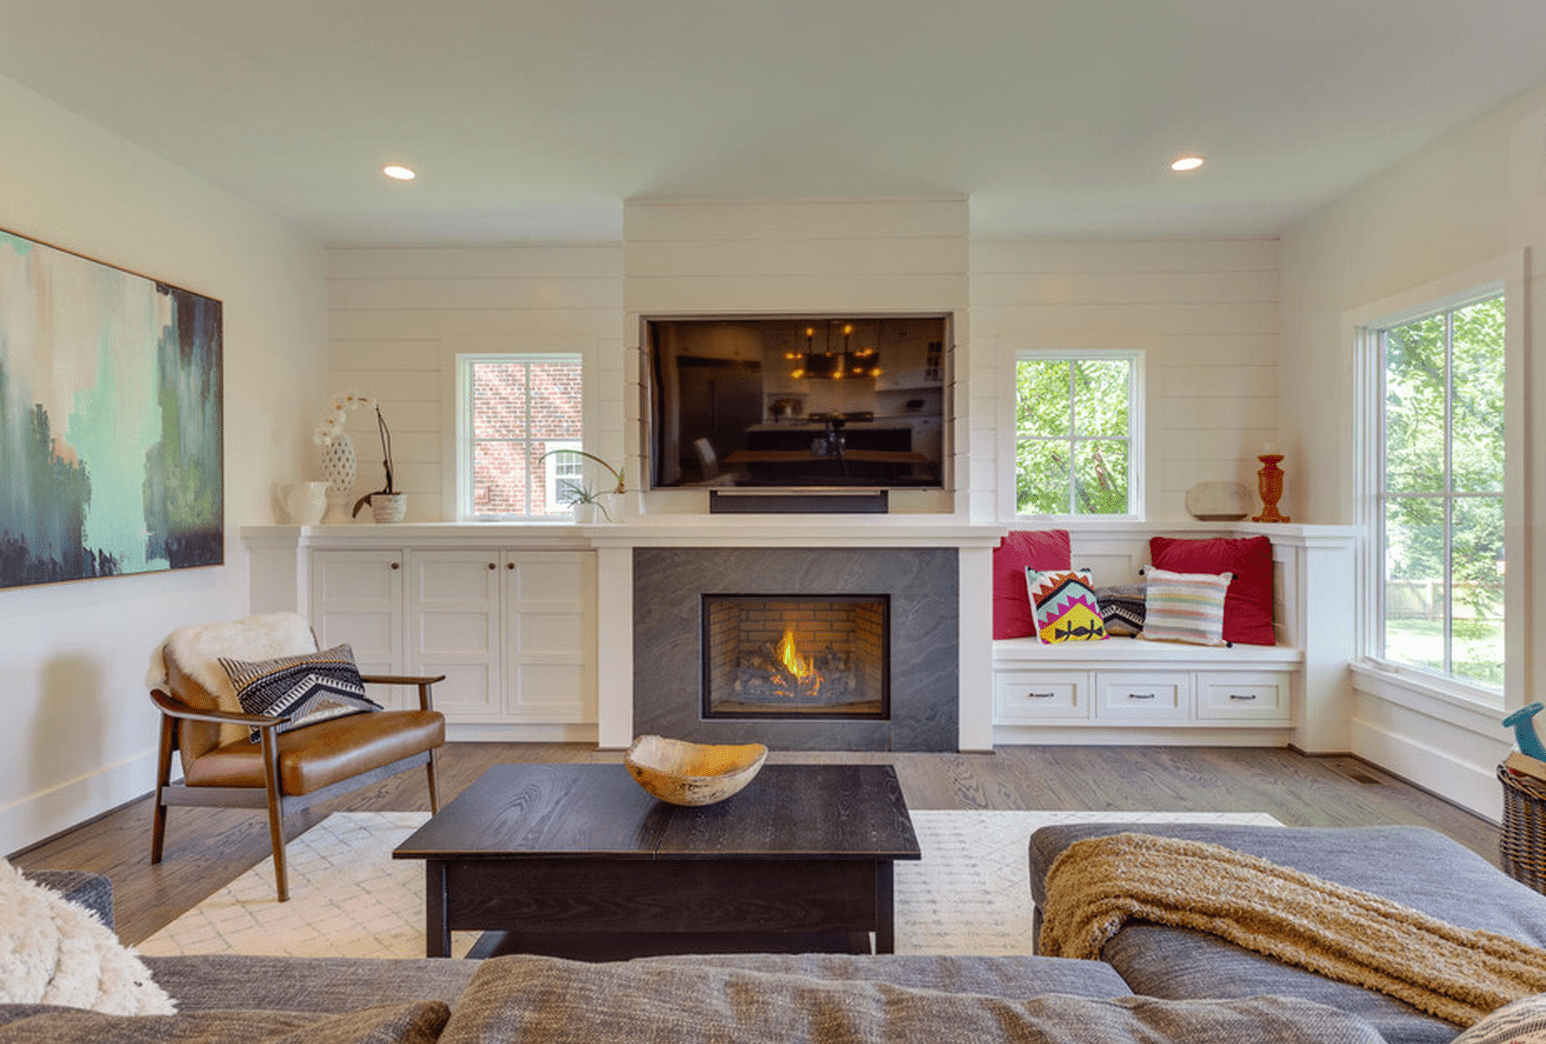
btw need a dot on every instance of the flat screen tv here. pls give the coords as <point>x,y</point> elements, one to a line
<point>798,402</point>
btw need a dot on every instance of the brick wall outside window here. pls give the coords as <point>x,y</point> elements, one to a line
<point>519,408</point>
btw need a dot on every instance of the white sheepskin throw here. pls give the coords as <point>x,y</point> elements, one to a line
<point>54,951</point>
<point>198,648</point>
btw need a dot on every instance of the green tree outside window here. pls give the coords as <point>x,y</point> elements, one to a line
<point>1441,500</point>
<point>1073,439</point>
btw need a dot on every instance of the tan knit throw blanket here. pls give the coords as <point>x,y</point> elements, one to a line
<point>1456,974</point>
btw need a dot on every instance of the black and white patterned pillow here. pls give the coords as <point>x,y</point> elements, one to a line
<point>311,687</point>
<point>1122,608</point>
<point>1522,1022</point>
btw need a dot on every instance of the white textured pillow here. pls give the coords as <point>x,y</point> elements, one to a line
<point>1184,607</point>
<point>54,951</point>
<point>197,649</point>
<point>1522,1022</point>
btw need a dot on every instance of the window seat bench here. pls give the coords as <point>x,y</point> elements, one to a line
<point>1127,690</point>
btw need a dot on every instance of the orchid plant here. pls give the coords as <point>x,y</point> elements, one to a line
<point>333,418</point>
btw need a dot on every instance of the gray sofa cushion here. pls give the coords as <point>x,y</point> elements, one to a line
<point>416,1023</point>
<point>1014,977</point>
<point>564,1002</point>
<point>312,984</point>
<point>1411,865</point>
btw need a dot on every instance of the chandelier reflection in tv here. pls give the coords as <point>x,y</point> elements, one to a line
<point>838,356</point>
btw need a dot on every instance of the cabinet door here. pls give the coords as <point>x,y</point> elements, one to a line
<point>1151,696</point>
<point>1253,697</point>
<point>1031,697</point>
<point>357,597</point>
<point>550,636</point>
<point>453,629</point>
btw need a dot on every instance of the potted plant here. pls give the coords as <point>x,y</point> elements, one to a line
<point>585,502</point>
<point>386,504</point>
<point>583,498</point>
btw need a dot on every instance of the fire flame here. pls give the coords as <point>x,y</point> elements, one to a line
<point>790,657</point>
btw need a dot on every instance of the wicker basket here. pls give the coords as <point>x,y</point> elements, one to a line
<point>1523,843</point>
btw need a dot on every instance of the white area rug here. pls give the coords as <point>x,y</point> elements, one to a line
<point>969,894</point>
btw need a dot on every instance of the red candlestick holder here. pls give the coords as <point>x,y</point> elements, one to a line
<point>1269,483</point>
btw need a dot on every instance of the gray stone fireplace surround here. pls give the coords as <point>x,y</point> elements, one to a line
<point>667,634</point>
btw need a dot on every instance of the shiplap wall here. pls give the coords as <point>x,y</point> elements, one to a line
<point>804,256</point>
<point>399,316</point>
<point>1204,312</point>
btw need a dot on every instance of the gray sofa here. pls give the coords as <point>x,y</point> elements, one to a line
<point>1153,984</point>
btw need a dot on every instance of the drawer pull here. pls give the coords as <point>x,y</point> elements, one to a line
<point>1041,695</point>
<point>1140,695</point>
<point>1242,696</point>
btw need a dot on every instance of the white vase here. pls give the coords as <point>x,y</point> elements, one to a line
<point>584,511</point>
<point>339,467</point>
<point>388,507</point>
<point>306,501</point>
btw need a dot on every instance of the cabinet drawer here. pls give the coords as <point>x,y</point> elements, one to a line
<point>1150,696</point>
<point>1254,695</point>
<point>1031,696</point>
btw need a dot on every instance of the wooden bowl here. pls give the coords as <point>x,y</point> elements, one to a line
<point>682,773</point>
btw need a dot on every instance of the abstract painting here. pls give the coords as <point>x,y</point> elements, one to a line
<point>110,420</point>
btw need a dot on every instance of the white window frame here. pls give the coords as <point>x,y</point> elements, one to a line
<point>1135,430</point>
<point>463,451</point>
<point>1362,330</point>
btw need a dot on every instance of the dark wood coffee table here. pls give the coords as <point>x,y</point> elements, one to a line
<point>578,861</point>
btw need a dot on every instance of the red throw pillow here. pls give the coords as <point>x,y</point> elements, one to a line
<point>1248,604</point>
<point>1040,549</point>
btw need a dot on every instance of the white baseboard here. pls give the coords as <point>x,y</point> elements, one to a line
<point>39,816</point>
<point>1473,787</point>
<point>1119,736</point>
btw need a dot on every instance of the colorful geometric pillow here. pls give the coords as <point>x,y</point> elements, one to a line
<point>1185,607</point>
<point>309,688</point>
<point>1122,608</point>
<point>1248,606</point>
<point>1022,549</point>
<point>1065,606</point>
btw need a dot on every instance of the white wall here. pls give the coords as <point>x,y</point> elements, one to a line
<point>1203,312</point>
<point>1472,197</point>
<point>400,315</point>
<point>80,732</point>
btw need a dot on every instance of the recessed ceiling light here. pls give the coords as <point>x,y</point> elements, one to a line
<point>1186,163</point>
<point>398,173</point>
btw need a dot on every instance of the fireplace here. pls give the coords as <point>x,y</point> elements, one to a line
<point>672,636</point>
<point>776,656</point>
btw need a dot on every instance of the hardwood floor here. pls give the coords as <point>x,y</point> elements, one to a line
<point>207,848</point>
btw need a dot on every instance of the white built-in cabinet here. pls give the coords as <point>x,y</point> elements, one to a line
<point>512,631</point>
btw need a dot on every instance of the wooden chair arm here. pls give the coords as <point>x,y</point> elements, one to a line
<point>402,679</point>
<point>175,708</point>
<point>424,682</point>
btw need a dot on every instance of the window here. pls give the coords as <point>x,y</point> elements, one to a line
<point>1077,419</point>
<point>1439,496</point>
<point>513,409</point>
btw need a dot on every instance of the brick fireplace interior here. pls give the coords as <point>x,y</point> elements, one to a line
<point>796,655</point>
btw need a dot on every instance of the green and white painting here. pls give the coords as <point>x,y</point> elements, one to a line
<point>110,420</point>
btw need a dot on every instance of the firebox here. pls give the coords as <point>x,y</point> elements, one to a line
<point>796,656</point>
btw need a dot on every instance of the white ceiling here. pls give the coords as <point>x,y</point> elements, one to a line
<point>537,118</point>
